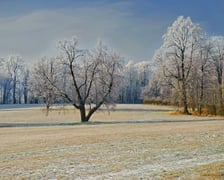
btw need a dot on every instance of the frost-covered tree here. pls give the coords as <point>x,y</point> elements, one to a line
<point>130,79</point>
<point>159,87</point>
<point>45,76</point>
<point>178,52</point>
<point>25,85</point>
<point>14,65</point>
<point>11,74</point>
<point>217,55</point>
<point>201,77</point>
<point>135,78</point>
<point>144,69</point>
<point>6,89</point>
<point>85,78</point>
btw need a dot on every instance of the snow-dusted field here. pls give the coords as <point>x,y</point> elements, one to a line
<point>185,150</point>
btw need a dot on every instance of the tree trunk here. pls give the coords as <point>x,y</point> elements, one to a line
<point>4,101</point>
<point>82,110</point>
<point>201,99</point>
<point>184,98</point>
<point>220,108</point>
<point>47,109</point>
<point>25,96</point>
<point>219,74</point>
<point>185,103</point>
<point>14,90</point>
<point>25,93</point>
<point>201,91</point>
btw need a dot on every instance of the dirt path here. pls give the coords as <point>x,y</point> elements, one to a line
<point>11,125</point>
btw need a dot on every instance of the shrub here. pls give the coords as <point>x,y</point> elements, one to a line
<point>156,102</point>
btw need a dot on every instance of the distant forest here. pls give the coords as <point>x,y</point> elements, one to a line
<point>18,82</point>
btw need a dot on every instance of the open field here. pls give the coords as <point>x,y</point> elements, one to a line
<point>132,112</point>
<point>161,150</point>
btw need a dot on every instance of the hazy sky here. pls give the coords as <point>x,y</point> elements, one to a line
<point>134,28</point>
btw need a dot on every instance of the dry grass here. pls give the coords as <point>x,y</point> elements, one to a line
<point>211,171</point>
<point>190,150</point>
<point>71,115</point>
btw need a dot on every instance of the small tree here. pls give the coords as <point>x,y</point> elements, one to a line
<point>46,75</point>
<point>85,78</point>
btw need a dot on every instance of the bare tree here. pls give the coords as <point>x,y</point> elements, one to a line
<point>14,66</point>
<point>25,85</point>
<point>179,46</point>
<point>85,78</point>
<point>130,82</point>
<point>6,89</point>
<point>45,77</point>
<point>217,55</point>
<point>160,87</point>
<point>135,78</point>
<point>204,69</point>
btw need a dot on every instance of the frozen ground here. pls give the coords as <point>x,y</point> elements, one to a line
<point>174,150</point>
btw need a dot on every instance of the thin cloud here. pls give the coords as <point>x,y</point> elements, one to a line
<point>35,34</point>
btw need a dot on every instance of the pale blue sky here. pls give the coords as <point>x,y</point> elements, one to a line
<point>134,28</point>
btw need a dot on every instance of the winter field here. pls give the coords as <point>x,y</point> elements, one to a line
<point>131,142</point>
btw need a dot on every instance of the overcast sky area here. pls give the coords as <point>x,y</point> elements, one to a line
<point>134,28</point>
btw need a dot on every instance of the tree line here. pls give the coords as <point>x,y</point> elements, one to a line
<point>19,83</point>
<point>188,69</point>
<point>14,85</point>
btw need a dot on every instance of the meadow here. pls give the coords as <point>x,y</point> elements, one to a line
<point>129,142</point>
